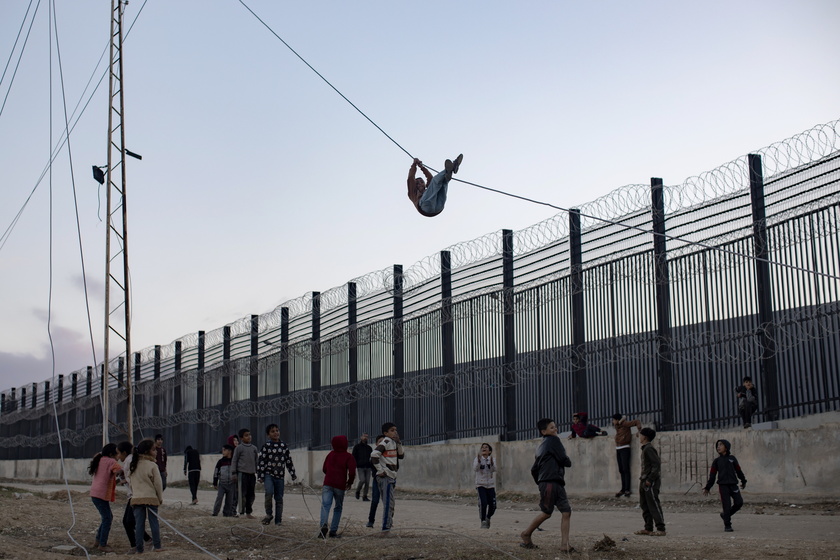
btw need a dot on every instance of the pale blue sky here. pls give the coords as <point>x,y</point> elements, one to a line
<point>259,183</point>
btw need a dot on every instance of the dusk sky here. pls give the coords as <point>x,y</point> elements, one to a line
<point>259,183</point>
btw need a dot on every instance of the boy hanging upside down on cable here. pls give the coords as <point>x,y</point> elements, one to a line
<point>429,196</point>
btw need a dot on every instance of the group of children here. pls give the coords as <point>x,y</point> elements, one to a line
<point>138,470</point>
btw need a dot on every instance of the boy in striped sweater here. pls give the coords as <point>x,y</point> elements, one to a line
<point>385,459</point>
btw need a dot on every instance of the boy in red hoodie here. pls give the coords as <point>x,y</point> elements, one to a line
<point>339,474</point>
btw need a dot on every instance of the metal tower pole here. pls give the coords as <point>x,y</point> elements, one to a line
<point>116,234</point>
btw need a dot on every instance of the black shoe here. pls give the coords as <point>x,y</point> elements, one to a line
<point>448,166</point>
<point>619,494</point>
<point>357,495</point>
<point>457,163</point>
<point>334,535</point>
<point>365,499</point>
<point>628,494</point>
<point>323,532</point>
<point>728,529</point>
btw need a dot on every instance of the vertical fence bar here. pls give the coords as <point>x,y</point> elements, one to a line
<point>663,304</point>
<point>447,338</point>
<point>156,376</point>
<point>398,373</point>
<point>254,369</point>
<point>177,403</point>
<point>140,410</point>
<point>226,375</point>
<point>763,287</point>
<point>199,386</point>
<point>509,333</point>
<point>284,364</point>
<point>315,372</point>
<point>353,431</point>
<point>580,395</point>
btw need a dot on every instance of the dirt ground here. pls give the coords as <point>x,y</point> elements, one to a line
<point>38,518</point>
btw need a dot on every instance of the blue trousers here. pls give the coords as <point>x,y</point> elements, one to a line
<point>434,198</point>
<point>104,508</point>
<point>328,495</point>
<point>386,495</point>
<point>140,525</point>
<point>275,486</point>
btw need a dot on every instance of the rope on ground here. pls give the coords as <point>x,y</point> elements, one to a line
<point>185,537</point>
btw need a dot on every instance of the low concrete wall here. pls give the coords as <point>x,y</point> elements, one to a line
<point>796,457</point>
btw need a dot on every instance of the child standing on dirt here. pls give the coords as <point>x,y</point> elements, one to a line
<point>244,464</point>
<point>374,493</point>
<point>339,474</point>
<point>651,481</point>
<point>224,481</point>
<point>146,492</point>
<point>727,470</point>
<point>271,469</point>
<point>103,490</point>
<point>126,450</point>
<point>549,471</point>
<point>485,483</point>
<point>385,458</point>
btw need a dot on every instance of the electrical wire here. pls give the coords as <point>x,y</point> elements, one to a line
<point>20,56</point>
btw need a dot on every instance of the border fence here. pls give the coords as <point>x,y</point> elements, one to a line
<point>653,301</point>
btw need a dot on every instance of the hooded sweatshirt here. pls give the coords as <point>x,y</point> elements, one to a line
<point>726,468</point>
<point>339,465</point>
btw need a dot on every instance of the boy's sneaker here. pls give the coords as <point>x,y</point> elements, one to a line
<point>334,535</point>
<point>267,519</point>
<point>369,524</point>
<point>323,532</point>
<point>448,166</point>
<point>657,533</point>
<point>628,494</point>
<point>485,524</point>
<point>457,163</point>
<point>619,494</point>
<point>728,529</point>
<point>642,532</point>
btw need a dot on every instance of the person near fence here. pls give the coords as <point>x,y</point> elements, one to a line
<point>103,490</point>
<point>233,441</point>
<point>385,458</point>
<point>124,478</point>
<point>224,482</point>
<point>245,458</point>
<point>429,196</point>
<point>192,470</point>
<point>582,428</point>
<point>549,473</point>
<point>623,437</point>
<point>364,470</point>
<point>146,492</point>
<point>747,400</point>
<point>339,474</point>
<point>728,471</point>
<point>160,458</point>
<point>484,466</point>
<point>273,462</point>
<point>650,482</point>
<point>374,494</point>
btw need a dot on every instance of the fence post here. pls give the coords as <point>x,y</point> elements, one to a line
<point>508,324</point>
<point>580,389</point>
<point>447,337</point>
<point>663,304</point>
<point>764,290</point>
<point>315,430</point>
<point>177,403</point>
<point>284,363</point>
<point>398,373</point>
<point>137,397</point>
<point>353,431</point>
<point>254,368</point>
<point>199,386</point>
<point>226,377</point>
<point>156,384</point>
<point>60,395</point>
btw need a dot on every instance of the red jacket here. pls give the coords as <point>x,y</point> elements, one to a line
<point>339,466</point>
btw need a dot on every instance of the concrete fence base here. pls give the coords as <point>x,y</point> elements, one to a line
<point>798,457</point>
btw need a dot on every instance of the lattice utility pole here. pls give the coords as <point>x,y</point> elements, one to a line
<point>116,236</point>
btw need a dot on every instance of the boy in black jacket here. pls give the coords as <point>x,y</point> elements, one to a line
<point>727,470</point>
<point>650,483</point>
<point>549,471</point>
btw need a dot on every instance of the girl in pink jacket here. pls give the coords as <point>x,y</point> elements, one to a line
<point>103,490</point>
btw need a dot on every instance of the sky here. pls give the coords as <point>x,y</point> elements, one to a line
<point>259,183</point>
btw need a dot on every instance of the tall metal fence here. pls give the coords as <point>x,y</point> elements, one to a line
<point>653,301</point>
